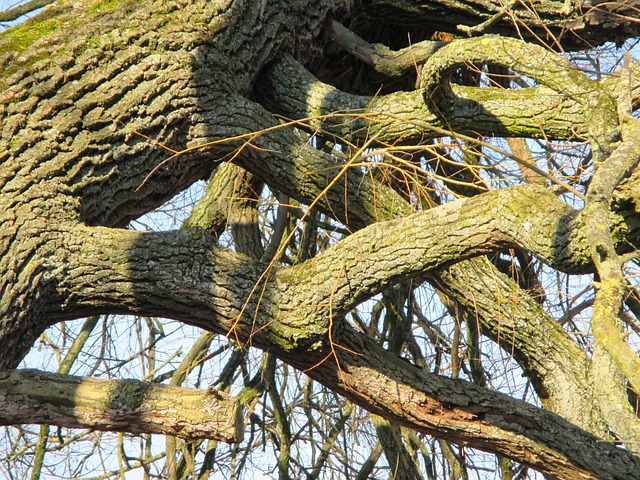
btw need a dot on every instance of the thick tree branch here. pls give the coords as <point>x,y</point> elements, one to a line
<point>613,355</point>
<point>379,255</point>
<point>404,116</point>
<point>552,360</point>
<point>569,25</point>
<point>380,57</point>
<point>467,414</point>
<point>32,396</point>
<point>547,68</point>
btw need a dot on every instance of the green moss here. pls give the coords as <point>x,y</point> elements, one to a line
<point>64,15</point>
<point>13,143</point>
<point>19,38</point>
<point>104,5</point>
<point>248,395</point>
<point>128,394</point>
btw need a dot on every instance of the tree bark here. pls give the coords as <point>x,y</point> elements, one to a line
<point>108,111</point>
<point>32,396</point>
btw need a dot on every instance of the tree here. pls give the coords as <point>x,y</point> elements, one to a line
<point>377,126</point>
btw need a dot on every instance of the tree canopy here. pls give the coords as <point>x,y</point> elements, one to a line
<point>399,205</point>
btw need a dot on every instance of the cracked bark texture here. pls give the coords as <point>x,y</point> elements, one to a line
<point>110,109</point>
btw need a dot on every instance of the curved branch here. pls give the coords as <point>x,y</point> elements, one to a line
<point>527,217</point>
<point>549,69</point>
<point>288,88</point>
